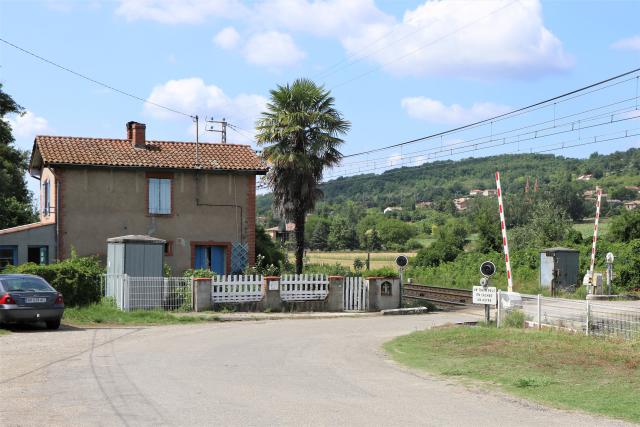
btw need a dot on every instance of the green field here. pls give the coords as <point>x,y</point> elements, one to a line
<point>378,259</point>
<point>586,228</point>
<point>560,369</point>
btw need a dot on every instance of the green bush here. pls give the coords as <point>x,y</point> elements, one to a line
<point>336,269</point>
<point>381,272</point>
<point>77,278</point>
<point>514,319</point>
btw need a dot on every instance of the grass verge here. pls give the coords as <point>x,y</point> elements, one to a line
<point>105,313</point>
<point>561,369</point>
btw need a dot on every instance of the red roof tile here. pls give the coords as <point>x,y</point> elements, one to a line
<point>66,150</point>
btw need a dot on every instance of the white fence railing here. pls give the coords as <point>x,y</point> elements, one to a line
<point>304,287</point>
<point>236,289</point>
<point>149,293</point>
<point>588,317</point>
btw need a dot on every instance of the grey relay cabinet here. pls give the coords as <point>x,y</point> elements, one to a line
<point>559,269</point>
<point>135,255</point>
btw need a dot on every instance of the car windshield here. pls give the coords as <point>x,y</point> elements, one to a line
<point>24,284</point>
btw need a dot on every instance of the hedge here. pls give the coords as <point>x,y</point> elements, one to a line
<point>78,278</point>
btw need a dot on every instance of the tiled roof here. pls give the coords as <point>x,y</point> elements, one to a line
<point>66,150</point>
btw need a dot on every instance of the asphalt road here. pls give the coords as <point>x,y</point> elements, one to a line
<point>281,372</point>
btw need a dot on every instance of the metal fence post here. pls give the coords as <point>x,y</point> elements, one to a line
<point>588,315</point>
<point>498,317</point>
<point>539,311</point>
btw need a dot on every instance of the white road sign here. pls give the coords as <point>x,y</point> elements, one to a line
<point>483,295</point>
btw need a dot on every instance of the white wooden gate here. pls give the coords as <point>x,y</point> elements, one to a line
<point>356,294</point>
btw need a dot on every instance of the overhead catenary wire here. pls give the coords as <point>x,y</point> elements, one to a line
<point>509,114</point>
<point>95,81</point>
<point>510,131</point>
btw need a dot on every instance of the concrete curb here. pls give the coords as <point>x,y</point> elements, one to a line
<point>404,311</point>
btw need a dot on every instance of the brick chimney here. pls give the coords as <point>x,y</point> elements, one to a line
<point>136,134</point>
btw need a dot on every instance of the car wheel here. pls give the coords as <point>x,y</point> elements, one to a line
<point>53,324</point>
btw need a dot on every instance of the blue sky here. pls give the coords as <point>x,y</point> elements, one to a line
<point>398,69</point>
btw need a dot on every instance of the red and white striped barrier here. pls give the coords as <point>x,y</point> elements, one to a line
<point>503,226</point>
<point>595,234</point>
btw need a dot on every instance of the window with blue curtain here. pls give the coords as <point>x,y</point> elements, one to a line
<point>8,255</point>
<point>160,196</point>
<point>211,258</point>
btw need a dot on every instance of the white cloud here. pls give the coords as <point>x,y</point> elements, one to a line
<point>420,107</point>
<point>326,18</point>
<point>227,38</point>
<point>479,39</point>
<point>193,95</point>
<point>26,126</point>
<point>473,39</point>
<point>179,11</point>
<point>629,43</point>
<point>272,49</point>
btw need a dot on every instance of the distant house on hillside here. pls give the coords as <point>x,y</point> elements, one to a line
<point>282,234</point>
<point>392,209</point>
<point>462,203</point>
<point>633,188</point>
<point>424,204</point>
<point>585,177</point>
<point>485,193</point>
<point>632,205</point>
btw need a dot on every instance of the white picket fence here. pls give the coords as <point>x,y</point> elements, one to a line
<point>356,294</point>
<point>236,288</point>
<point>304,287</point>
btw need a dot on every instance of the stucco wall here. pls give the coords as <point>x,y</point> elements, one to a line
<point>103,203</point>
<point>34,236</point>
<point>48,175</point>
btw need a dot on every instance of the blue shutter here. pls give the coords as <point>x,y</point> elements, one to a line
<point>218,259</point>
<point>165,196</point>
<point>154,192</point>
<point>201,257</point>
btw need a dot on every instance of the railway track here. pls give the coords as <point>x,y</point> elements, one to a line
<point>443,298</point>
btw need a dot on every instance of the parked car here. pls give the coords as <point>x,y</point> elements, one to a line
<point>26,299</point>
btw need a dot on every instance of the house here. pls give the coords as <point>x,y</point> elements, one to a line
<point>462,203</point>
<point>199,198</point>
<point>485,193</point>
<point>424,204</point>
<point>635,204</point>
<point>392,209</point>
<point>585,177</point>
<point>282,234</point>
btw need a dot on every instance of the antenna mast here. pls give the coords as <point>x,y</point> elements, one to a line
<point>197,120</point>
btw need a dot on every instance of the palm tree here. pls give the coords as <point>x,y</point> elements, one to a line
<point>300,132</point>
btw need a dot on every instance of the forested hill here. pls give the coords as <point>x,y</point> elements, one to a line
<point>447,179</point>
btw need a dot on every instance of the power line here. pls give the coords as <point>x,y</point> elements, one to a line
<point>499,116</point>
<point>537,133</point>
<point>92,80</point>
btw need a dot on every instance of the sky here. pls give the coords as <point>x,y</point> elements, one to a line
<point>398,70</point>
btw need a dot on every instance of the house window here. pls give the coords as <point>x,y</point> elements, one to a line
<point>8,255</point>
<point>159,196</point>
<point>38,254</point>
<point>46,202</point>
<point>210,258</point>
<point>168,248</point>
<point>385,288</point>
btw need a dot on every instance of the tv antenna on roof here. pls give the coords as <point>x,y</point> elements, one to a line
<point>211,127</point>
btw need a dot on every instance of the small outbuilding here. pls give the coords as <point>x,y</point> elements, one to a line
<point>135,255</point>
<point>559,269</point>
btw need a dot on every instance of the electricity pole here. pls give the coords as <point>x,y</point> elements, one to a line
<point>223,128</point>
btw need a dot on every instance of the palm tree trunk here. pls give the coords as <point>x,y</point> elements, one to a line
<point>299,221</point>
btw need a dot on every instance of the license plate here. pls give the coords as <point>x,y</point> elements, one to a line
<point>32,300</point>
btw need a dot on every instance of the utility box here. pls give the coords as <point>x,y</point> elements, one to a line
<point>559,269</point>
<point>135,255</point>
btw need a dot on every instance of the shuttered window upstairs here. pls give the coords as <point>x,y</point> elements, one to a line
<point>159,196</point>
